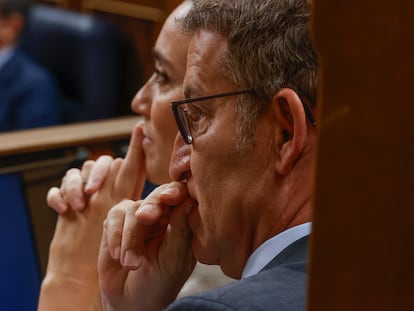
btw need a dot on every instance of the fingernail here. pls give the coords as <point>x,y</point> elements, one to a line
<point>145,209</point>
<point>147,214</point>
<point>170,190</point>
<point>131,260</point>
<point>91,183</point>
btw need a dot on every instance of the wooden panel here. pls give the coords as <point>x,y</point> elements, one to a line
<point>125,9</point>
<point>55,137</point>
<point>362,246</point>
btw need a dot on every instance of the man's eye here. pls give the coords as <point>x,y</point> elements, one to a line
<point>194,112</point>
<point>194,116</point>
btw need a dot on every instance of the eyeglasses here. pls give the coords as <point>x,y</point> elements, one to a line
<point>186,119</point>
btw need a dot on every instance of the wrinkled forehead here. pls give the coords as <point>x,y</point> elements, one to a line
<point>204,59</point>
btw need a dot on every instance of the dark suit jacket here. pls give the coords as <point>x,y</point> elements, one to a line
<point>281,285</point>
<point>28,97</point>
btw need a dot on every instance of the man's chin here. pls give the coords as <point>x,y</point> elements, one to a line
<point>203,255</point>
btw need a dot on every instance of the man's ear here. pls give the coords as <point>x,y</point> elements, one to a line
<point>291,129</point>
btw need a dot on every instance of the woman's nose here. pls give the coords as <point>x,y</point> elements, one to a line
<point>141,103</point>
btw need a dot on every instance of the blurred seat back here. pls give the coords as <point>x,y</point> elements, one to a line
<point>19,266</point>
<point>82,52</point>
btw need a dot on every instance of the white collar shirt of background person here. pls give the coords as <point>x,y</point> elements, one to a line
<point>274,246</point>
<point>5,54</point>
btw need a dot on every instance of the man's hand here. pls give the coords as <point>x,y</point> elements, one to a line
<point>145,255</point>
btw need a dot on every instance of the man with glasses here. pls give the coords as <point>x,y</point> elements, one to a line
<point>243,164</point>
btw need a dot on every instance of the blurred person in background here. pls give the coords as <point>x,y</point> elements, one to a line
<point>28,95</point>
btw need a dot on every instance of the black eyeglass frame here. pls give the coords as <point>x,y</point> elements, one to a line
<point>182,122</point>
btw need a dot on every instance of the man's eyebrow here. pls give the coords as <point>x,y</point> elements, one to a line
<point>187,92</point>
<point>193,89</point>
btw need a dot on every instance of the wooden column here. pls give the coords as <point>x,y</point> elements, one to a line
<point>362,244</point>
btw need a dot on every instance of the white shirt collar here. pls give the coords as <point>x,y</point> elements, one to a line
<point>274,246</point>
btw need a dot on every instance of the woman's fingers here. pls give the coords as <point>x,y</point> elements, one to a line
<point>72,189</point>
<point>86,170</point>
<point>131,178</point>
<point>98,173</point>
<point>56,201</point>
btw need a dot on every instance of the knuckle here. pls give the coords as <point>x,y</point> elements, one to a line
<point>72,171</point>
<point>129,237</point>
<point>105,158</point>
<point>114,231</point>
<point>51,195</point>
<point>72,188</point>
<point>87,164</point>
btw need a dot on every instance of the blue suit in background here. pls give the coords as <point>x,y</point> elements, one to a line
<point>28,99</point>
<point>28,95</point>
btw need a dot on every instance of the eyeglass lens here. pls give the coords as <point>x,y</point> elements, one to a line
<point>184,126</point>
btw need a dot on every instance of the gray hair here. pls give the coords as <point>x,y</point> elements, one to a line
<point>269,46</point>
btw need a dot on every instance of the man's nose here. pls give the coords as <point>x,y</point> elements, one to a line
<point>180,159</point>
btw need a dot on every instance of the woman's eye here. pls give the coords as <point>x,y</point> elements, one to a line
<point>160,76</point>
